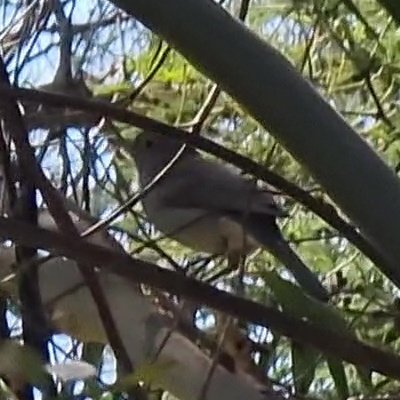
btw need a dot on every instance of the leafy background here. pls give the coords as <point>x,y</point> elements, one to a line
<point>349,50</point>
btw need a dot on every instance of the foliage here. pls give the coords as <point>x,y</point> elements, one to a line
<point>348,49</point>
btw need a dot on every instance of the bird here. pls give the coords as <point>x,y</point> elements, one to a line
<point>210,207</point>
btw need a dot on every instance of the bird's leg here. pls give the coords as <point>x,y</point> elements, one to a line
<point>235,259</point>
<point>236,246</point>
<point>236,242</point>
<point>236,262</point>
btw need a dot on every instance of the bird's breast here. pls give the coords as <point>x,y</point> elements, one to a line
<point>200,230</point>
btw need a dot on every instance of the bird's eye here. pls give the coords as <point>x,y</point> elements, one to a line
<point>148,143</point>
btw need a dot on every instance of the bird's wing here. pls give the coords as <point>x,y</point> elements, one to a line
<point>202,184</point>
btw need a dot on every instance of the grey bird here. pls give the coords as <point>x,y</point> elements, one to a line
<point>209,207</point>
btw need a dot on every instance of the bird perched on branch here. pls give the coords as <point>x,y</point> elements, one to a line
<point>209,207</point>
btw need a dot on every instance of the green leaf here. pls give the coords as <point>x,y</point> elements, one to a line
<point>295,302</point>
<point>21,364</point>
<point>304,364</point>
<point>366,380</point>
<point>338,374</point>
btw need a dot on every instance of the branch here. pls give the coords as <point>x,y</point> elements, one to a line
<point>33,173</point>
<point>138,271</point>
<point>322,209</point>
<point>67,299</point>
<point>277,96</point>
<point>393,8</point>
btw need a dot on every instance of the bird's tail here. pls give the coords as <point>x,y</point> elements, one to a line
<point>265,230</point>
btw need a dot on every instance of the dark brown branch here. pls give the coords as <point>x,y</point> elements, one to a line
<point>338,345</point>
<point>34,328</point>
<point>32,172</point>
